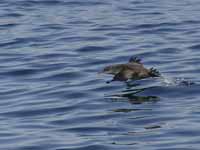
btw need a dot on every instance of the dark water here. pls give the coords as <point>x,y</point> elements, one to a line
<point>51,97</point>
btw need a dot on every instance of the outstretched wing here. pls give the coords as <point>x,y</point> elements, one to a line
<point>120,77</point>
<point>135,60</point>
<point>123,75</point>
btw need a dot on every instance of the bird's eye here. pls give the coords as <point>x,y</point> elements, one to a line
<point>107,68</point>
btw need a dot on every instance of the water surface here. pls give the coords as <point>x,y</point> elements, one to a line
<point>52,98</point>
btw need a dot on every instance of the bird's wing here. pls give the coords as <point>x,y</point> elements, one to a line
<point>123,75</point>
<point>135,60</point>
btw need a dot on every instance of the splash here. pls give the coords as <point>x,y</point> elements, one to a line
<point>169,81</point>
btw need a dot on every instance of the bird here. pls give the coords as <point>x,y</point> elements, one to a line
<point>134,70</point>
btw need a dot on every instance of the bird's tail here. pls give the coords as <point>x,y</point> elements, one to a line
<point>154,72</point>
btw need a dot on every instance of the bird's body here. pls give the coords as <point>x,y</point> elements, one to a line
<point>134,69</point>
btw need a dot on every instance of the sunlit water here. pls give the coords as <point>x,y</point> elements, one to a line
<point>51,97</point>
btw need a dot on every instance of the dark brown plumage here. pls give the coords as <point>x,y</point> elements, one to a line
<point>134,69</point>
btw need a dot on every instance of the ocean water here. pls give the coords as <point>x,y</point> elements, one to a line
<point>52,98</point>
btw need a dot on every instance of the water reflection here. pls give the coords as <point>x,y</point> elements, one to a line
<point>153,127</point>
<point>133,94</point>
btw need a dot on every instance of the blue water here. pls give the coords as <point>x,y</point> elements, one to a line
<point>52,98</point>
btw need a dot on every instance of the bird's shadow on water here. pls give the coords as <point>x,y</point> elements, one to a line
<point>152,90</point>
<point>132,95</point>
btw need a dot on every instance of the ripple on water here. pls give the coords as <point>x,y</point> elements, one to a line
<point>51,96</point>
